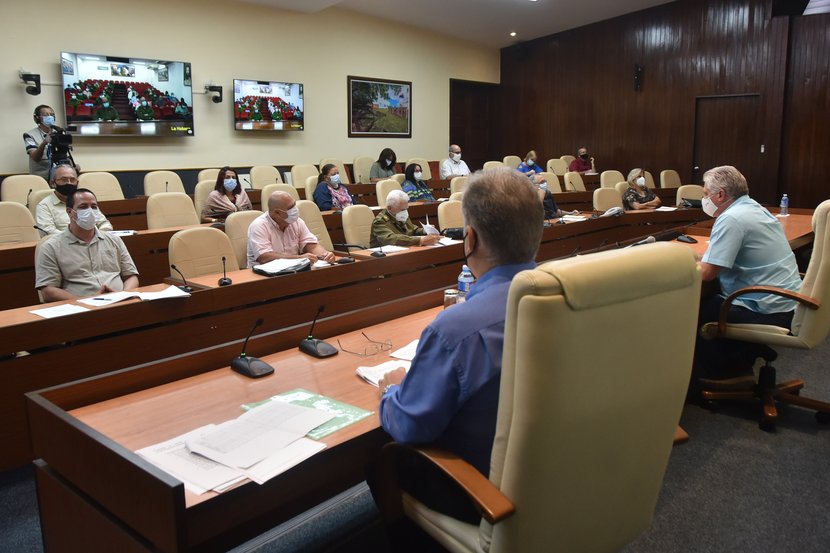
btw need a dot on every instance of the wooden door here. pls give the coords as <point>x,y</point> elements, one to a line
<point>474,122</point>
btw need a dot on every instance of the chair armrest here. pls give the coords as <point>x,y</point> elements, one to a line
<point>727,303</point>
<point>488,499</point>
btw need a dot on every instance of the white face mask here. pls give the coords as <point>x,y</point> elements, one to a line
<point>418,175</point>
<point>640,181</point>
<point>402,216</point>
<point>543,186</point>
<point>388,162</point>
<point>709,207</point>
<point>85,218</point>
<point>229,184</point>
<point>456,157</point>
<point>335,179</point>
<point>292,215</point>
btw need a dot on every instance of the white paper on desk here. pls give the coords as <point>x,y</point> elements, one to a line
<point>123,232</point>
<point>666,208</point>
<point>574,218</point>
<point>198,473</point>
<point>106,299</point>
<point>441,199</point>
<point>321,263</point>
<point>258,433</point>
<point>407,353</point>
<point>59,310</point>
<point>169,292</point>
<point>279,265</point>
<point>429,229</point>
<point>372,375</point>
<point>291,455</point>
<point>388,249</point>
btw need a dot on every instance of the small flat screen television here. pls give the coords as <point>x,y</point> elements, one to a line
<point>113,96</point>
<point>267,106</point>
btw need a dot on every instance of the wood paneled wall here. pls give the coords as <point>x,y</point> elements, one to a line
<point>577,87</point>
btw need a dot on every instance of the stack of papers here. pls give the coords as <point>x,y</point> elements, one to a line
<point>373,375</point>
<point>115,297</point>
<point>282,266</point>
<point>574,218</point>
<point>666,208</point>
<point>388,249</point>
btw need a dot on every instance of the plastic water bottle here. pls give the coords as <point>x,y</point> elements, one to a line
<point>784,207</point>
<point>465,280</point>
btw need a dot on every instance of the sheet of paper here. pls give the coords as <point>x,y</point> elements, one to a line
<point>278,265</point>
<point>372,375</point>
<point>106,299</point>
<point>59,310</point>
<point>444,241</point>
<point>666,208</point>
<point>574,218</point>
<point>123,232</point>
<point>429,229</point>
<point>282,460</point>
<point>407,353</point>
<point>169,292</point>
<point>388,249</point>
<point>321,263</point>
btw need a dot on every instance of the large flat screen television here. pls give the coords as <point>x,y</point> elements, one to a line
<point>113,96</point>
<point>267,106</point>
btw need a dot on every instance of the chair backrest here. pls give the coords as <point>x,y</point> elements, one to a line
<point>567,159</point>
<point>606,198</point>
<point>649,179</point>
<point>456,196</point>
<point>198,251</point>
<point>357,224</point>
<point>310,214</point>
<point>557,166</point>
<point>156,182</point>
<point>344,175</point>
<point>170,209</point>
<point>361,168</point>
<point>571,451</point>
<point>424,163</point>
<point>609,179</point>
<point>621,187</point>
<point>35,198</point>
<point>269,189</point>
<point>236,229</point>
<point>16,224</point>
<point>15,188</point>
<point>399,177</point>
<point>669,178</point>
<point>689,192</point>
<point>383,188</point>
<point>310,186</point>
<point>211,173</point>
<point>573,182</point>
<point>301,172</point>
<point>552,180</point>
<point>450,215</point>
<point>458,184</point>
<point>493,164</point>
<point>201,193</point>
<point>104,185</point>
<point>263,175</point>
<point>512,161</point>
<point>811,326</point>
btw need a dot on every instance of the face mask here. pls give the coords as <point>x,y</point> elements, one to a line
<point>48,120</point>
<point>640,181</point>
<point>65,189</point>
<point>584,156</point>
<point>229,184</point>
<point>85,218</point>
<point>335,179</point>
<point>106,104</point>
<point>293,215</point>
<point>456,157</point>
<point>417,175</point>
<point>402,216</point>
<point>388,162</point>
<point>543,186</point>
<point>709,207</point>
<point>531,162</point>
<point>144,104</point>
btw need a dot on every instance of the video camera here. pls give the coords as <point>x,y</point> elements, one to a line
<point>61,142</point>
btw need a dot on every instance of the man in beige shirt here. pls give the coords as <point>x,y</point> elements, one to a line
<point>51,214</point>
<point>82,260</point>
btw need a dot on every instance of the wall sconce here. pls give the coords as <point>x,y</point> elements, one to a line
<point>214,88</point>
<point>638,77</point>
<point>33,78</point>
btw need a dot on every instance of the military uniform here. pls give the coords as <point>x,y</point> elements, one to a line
<point>106,114</point>
<point>145,113</point>
<point>386,231</point>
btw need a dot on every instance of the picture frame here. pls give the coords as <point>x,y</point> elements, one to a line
<point>163,74</point>
<point>67,66</point>
<point>379,108</point>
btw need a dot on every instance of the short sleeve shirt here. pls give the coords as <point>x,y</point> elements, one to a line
<point>51,216</point>
<point>32,140</point>
<point>633,195</point>
<point>265,236</point>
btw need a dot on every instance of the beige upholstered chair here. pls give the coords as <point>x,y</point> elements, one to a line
<point>669,179</point>
<point>357,224</point>
<point>457,196</point>
<point>573,182</point>
<point>208,174</point>
<point>383,187</point>
<point>567,159</point>
<point>201,193</point>
<point>236,229</point>
<point>16,224</point>
<point>809,328</point>
<point>576,465</point>
<point>557,166</point>
<point>493,165</point>
<point>361,168</point>
<point>16,188</point>
<point>689,192</point>
<point>198,251</point>
<point>649,179</point>
<point>162,181</point>
<point>450,215</point>
<point>344,175</point>
<point>621,187</point>
<point>170,209</point>
<point>263,175</point>
<point>552,180</point>
<point>399,177</point>
<point>35,198</point>
<point>269,189</point>
<point>512,161</point>
<point>310,186</point>
<point>299,174</point>
<point>608,179</point>
<point>606,198</point>
<point>458,184</point>
<point>311,216</point>
<point>104,185</point>
<point>424,163</point>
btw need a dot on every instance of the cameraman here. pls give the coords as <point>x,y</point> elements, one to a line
<point>38,142</point>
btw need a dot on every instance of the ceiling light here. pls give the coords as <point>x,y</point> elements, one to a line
<point>512,33</point>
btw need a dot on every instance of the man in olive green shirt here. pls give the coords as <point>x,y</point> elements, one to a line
<point>392,226</point>
<point>106,112</point>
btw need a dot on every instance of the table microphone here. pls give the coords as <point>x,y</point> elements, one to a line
<point>379,253</point>
<point>224,281</point>
<point>27,197</point>
<point>185,287</point>
<point>40,229</point>
<point>251,367</point>
<point>313,346</point>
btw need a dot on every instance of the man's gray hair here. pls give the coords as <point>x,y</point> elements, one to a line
<point>396,197</point>
<point>728,179</point>
<point>504,209</point>
<point>62,166</point>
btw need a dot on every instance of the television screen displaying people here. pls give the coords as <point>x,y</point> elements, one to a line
<point>267,106</point>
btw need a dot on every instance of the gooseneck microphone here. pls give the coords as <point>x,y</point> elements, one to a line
<point>314,347</point>
<point>251,367</point>
<point>185,287</point>
<point>40,229</point>
<point>224,281</point>
<point>379,253</point>
<point>27,197</point>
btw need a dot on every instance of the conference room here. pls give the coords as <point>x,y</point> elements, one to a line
<point>639,84</point>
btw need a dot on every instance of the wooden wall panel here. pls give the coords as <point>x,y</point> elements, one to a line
<point>474,121</point>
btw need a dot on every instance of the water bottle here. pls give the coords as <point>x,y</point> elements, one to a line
<point>784,208</point>
<point>465,280</point>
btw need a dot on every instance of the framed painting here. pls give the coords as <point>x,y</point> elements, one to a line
<point>379,108</point>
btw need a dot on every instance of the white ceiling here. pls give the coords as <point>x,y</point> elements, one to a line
<point>486,22</point>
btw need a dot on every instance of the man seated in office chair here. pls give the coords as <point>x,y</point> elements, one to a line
<point>82,260</point>
<point>51,214</point>
<point>450,394</point>
<point>454,166</point>
<point>279,233</point>
<point>747,247</point>
<point>392,226</point>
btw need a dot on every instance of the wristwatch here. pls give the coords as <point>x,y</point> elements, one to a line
<point>387,388</point>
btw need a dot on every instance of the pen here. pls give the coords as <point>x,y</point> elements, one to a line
<point>101,299</point>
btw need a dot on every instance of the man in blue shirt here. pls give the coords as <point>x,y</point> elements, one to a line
<point>747,247</point>
<point>450,395</point>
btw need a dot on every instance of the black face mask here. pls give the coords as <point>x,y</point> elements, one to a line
<point>584,156</point>
<point>65,189</point>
